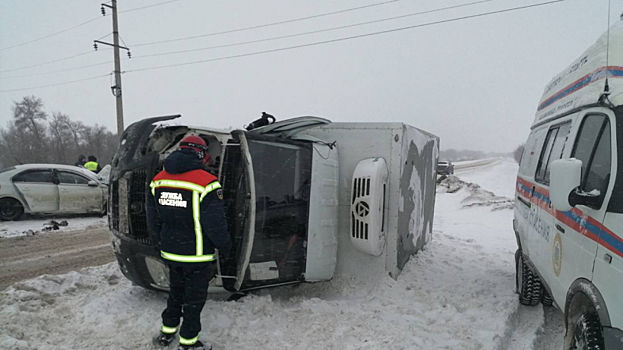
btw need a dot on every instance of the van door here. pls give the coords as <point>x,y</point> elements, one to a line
<point>553,149</point>
<point>608,275</point>
<point>267,206</point>
<point>576,234</point>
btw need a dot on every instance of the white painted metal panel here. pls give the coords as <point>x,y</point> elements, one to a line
<point>322,241</point>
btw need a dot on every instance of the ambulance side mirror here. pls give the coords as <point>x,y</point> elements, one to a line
<point>565,178</point>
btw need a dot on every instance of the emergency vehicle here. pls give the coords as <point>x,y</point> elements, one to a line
<point>569,200</point>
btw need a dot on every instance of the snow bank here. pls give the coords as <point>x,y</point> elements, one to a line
<point>27,227</point>
<point>458,293</point>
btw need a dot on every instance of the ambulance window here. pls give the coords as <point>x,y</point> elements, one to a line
<point>545,154</point>
<point>598,174</point>
<point>593,150</point>
<point>555,146</point>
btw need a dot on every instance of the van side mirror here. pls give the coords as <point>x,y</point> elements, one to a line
<point>565,178</point>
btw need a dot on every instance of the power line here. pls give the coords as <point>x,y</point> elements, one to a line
<point>80,25</point>
<point>148,6</point>
<point>266,25</point>
<point>51,35</point>
<point>57,84</point>
<point>315,31</point>
<point>347,38</point>
<point>48,62</point>
<point>252,41</point>
<point>309,44</point>
<point>55,71</point>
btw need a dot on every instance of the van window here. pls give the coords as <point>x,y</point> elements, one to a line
<point>598,172</point>
<point>593,148</point>
<point>554,147</point>
<point>616,199</point>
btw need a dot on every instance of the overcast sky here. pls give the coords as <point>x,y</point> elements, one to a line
<point>474,82</point>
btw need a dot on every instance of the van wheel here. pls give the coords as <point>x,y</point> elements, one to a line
<point>547,300</point>
<point>587,335</point>
<point>528,284</point>
<point>10,209</point>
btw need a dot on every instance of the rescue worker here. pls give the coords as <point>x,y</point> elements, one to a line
<point>81,160</point>
<point>93,165</point>
<point>186,214</point>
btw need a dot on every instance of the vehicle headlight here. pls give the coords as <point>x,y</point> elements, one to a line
<point>158,271</point>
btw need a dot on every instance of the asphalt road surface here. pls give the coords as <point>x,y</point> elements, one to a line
<point>53,253</point>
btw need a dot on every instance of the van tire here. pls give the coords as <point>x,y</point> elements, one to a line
<point>588,335</point>
<point>529,285</point>
<point>547,300</point>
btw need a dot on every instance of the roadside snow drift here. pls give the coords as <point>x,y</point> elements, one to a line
<point>29,226</point>
<point>458,293</point>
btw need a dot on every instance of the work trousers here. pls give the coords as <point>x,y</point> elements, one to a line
<point>187,295</point>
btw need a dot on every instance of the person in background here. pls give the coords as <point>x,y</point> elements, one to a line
<point>81,160</point>
<point>93,165</point>
<point>185,212</point>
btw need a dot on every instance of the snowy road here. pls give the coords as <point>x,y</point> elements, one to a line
<point>57,252</point>
<point>456,294</point>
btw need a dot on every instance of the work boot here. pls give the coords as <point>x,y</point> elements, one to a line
<point>196,346</point>
<point>164,339</point>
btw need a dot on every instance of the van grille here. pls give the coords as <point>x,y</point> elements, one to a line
<point>114,190</point>
<point>137,211</point>
<point>359,228</point>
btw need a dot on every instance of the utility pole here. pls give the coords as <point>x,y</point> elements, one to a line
<point>116,89</point>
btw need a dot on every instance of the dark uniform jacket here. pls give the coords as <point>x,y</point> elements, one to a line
<point>186,212</point>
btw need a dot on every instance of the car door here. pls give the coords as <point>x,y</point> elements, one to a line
<point>76,195</point>
<point>576,232</point>
<point>38,189</point>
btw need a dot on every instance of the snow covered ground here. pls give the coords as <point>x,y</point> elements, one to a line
<point>456,294</point>
<point>33,226</point>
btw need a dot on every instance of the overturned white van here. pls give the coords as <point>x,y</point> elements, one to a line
<point>305,199</point>
<point>569,199</point>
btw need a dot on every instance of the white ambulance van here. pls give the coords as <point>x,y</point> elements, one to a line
<point>569,198</point>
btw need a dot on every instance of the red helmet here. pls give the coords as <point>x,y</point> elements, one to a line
<point>198,145</point>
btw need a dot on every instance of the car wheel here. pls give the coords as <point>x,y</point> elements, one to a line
<point>528,284</point>
<point>546,299</point>
<point>10,209</point>
<point>587,335</point>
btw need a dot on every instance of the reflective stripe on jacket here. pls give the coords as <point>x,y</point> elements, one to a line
<point>188,216</point>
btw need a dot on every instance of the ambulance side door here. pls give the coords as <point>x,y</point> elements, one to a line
<point>576,234</point>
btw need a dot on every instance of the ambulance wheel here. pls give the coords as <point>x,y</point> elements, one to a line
<point>547,300</point>
<point>10,209</point>
<point>528,284</point>
<point>587,335</point>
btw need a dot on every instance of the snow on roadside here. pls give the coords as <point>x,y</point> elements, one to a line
<point>32,226</point>
<point>456,294</point>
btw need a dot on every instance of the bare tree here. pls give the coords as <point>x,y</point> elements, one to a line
<point>61,136</point>
<point>27,138</point>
